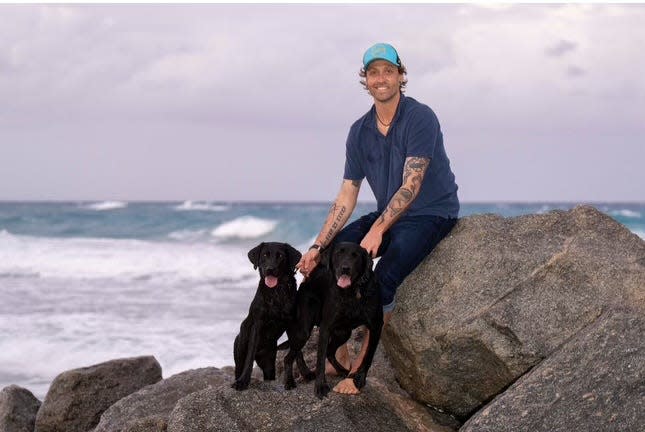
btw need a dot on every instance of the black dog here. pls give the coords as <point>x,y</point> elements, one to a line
<point>341,294</point>
<point>270,313</point>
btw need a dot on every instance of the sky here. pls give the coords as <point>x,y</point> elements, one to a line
<point>537,102</point>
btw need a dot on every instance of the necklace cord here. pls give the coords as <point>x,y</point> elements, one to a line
<point>387,125</point>
<point>381,121</point>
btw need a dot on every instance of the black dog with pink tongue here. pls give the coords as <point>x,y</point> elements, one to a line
<point>270,313</point>
<point>341,294</point>
<point>351,298</point>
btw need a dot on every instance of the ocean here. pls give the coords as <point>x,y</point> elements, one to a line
<point>86,282</point>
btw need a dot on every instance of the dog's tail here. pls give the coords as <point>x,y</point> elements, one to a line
<point>284,345</point>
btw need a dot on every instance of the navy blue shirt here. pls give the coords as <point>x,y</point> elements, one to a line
<point>414,132</point>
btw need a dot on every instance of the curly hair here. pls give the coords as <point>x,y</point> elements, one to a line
<point>402,70</point>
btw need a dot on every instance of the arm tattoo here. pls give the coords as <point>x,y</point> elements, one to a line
<point>400,201</point>
<point>337,222</point>
<point>356,183</point>
<point>413,172</point>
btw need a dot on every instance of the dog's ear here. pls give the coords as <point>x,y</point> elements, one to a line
<point>293,256</point>
<point>369,262</point>
<point>325,256</point>
<point>254,255</point>
<point>367,267</point>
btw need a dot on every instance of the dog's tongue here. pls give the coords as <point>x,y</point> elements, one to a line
<point>271,281</point>
<point>344,281</point>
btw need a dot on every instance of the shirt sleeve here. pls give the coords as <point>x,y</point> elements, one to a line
<point>423,134</point>
<point>353,167</point>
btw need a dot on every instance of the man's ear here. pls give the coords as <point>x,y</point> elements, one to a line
<point>254,255</point>
<point>294,256</point>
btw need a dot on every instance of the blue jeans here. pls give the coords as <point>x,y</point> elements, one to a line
<point>403,248</point>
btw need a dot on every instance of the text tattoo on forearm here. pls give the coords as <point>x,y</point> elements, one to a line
<point>337,221</point>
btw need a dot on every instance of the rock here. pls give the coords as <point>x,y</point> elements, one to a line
<point>18,408</point>
<point>417,416</point>
<point>596,382</point>
<point>499,295</point>
<point>266,406</point>
<point>77,398</point>
<point>149,408</point>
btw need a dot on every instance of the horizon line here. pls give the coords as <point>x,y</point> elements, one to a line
<point>296,202</point>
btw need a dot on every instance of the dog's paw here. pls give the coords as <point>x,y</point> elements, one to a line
<point>240,385</point>
<point>290,384</point>
<point>321,390</point>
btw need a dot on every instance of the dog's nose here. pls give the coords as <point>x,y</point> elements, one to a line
<point>269,271</point>
<point>345,270</point>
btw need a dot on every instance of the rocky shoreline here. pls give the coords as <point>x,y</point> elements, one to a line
<point>511,324</point>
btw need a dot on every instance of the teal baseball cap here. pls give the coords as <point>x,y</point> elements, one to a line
<point>381,51</point>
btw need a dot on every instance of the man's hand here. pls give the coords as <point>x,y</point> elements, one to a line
<point>308,262</point>
<point>372,241</point>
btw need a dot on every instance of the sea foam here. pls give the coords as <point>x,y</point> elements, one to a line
<point>626,213</point>
<point>245,227</point>
<point>105,205</point>
<point>121,259</point>
<point>201,206</point>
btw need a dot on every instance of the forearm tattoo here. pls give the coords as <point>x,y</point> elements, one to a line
<point>337,215</point>
<point>413,172</point>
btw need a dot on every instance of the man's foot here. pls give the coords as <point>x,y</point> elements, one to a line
<point>347,386</point>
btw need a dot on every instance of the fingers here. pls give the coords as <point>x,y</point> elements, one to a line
<point>371,250</point>
<point>307,264</point>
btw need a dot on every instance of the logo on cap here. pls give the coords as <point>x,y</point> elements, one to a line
<point>378,50</point>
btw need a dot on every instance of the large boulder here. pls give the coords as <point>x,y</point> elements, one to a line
<point>596,382</point>
<point>266,406</point>
<point>148,409</point>
<point>499,295</point>
<point>77,398</point>
<point>18,408</point>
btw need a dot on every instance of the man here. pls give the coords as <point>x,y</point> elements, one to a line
<point>398,147</point>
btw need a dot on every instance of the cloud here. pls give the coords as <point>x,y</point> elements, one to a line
<point>561,48</point>
<point>283,79</point>
<point>575,71</point>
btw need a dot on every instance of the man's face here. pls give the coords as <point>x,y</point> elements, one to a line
<point>383,79</point>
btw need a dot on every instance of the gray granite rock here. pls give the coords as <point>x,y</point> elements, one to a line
<point>18,408</point>
<point>149,408</point>
<point>594,383</point>
<point>499,295</point>
<point>266,406</point>
<point>77,398</point>
<point>381,376</point>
